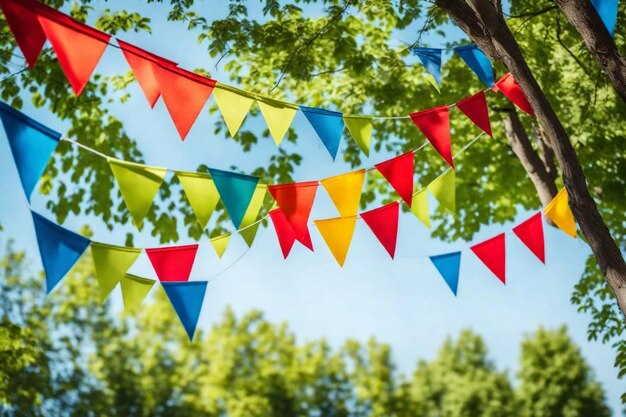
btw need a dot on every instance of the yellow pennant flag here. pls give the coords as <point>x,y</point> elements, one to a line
<point>559,212</point>
<point>134,290</point>
<point>278,116</point>
<point>252,213</point>
<point>419,206</point>
<point>111,263</point>
<point>201,193</point>
<point>360,128</point>
<point>337,234</point>
<point>220,243</point>
<point>443,189</point>
<point>345,191</point>
<point>138,185</point>
<point>233,106</point>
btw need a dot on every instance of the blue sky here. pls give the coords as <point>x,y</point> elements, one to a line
<point>404,303</point>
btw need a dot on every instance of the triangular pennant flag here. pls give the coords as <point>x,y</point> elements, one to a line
<point>448,266</point>
<point>295,202</point>
<point>184,94</point>
<point>360,127</point>
<point>475,108</point>
<point>278,117</point>
<point>530,233</point>
<point>22,20</point>
<point>236,191</point>
<point>59,249</point>
<point>111,264</point>
<point>420,207</point>
<point>201,193</point>
<point>134,290</point>
<point>337,234</point>
<point>77,46</point>
<point>607,10</point>
<point>328,125</point>
<point>284,232</point>
<point>234,107</point>
<point>435,125</point>
<point>478,62</point>
<point>31,144</point>
<point>143,63</point>
<point>431,59</point>
<point>186,298</point>
<point>492,253</point>
<point>345,191</point>
<point>383,222</point>
<point>559,212</point>
<point>138,185</point>
<point>443,188</point>
<point>511,89</point>
<point>220,243</point>
<point>173,263</point>
<point>399,173</point>
<point>249,223</point>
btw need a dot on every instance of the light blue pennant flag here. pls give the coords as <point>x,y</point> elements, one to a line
<point>607,10</point>
<point>31,145</point>
<point>448,266</point>
<point>236,191</point>
<point>186,298</point>
<point>431,59</point>
<point>59,249</point>
<point>328,125</point>
<point>478,62</point>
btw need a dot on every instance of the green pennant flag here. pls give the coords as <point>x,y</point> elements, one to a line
<point>220,243</point>
<point>443,189</point>
<point>138,185</point>
<point>201,193</point>
<point>134,290</point>
<point>249,229</point>
<point>278,116</point>
<point>360,127</point>
<point>233,106</point>
<point>111,264</point>
<point>419,206</point>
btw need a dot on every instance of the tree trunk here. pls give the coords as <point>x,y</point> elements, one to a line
<point>547,154</point>
<point>583,16</point>
<point>487,28</point>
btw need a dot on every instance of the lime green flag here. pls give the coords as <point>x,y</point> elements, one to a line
<point>201,193</point>
<point>360,128</point>
<point>134,290</point>
<point>278,116</point>
<point>443,189</point>
<point>419,206</point>
<point>111,264</point>
<point>252,213</point>
<point>220,243</point>
<point>138,185</point>
<point>234,106</point>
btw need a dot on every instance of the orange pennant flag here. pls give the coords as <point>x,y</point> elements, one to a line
<point>345,191</point>
<point>337,234</point>
<point>295,201</point>
<point>559,212</point>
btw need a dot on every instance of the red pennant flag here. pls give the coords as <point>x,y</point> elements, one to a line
<point>511,89</point>
<point>285,233</point>
<point>492,253</point>
<point>531,234</point>
<point>142,63</point>
<point>77,46</point>
<point>475,108</point>
<point>296,201</point>
<point>399,173</point>
<point>173,263</point>
<point>383,221</point>
<point>23,22</point>
<point>184,94</point>
<point>435,125</point>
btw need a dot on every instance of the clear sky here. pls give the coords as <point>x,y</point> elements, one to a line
<point>404,303</point>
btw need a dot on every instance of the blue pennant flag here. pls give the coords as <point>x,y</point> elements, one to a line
<point>328,125</point>
<point>31,144</point>
<point>431,59</point>
<point>59,249</point>
<point>448,266</point>
<point>236,191</point>
<point>186,298</point>
<point>478,62</point>
<point>607,10</point>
